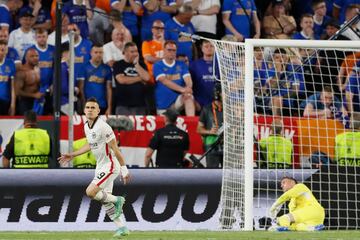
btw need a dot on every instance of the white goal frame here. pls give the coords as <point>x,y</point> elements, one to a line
<point>248,105</point>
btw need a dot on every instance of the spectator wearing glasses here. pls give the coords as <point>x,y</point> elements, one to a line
<point>153,50</point>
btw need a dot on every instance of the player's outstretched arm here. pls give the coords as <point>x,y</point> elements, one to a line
<point>123,169</point>
<point>69,156</point>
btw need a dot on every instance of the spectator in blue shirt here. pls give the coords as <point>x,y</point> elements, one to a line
<point>11,52</point>
<point>46,64</point>
<point>307,28</point>
<point>282,84</point>
<point>181,22</point>
<point>7,87</point>
<point>353,91</point>
<point>78,74</point>
<point>5,13</point>
<point>79,12</point>
<point>324,105</point>
<point>204,76</point>
<point>320,18</point>
<point>237,21</point>
<point>82,47</point>
<point>340,7</point>
<point>173,87</point>
<point>155,10</point>
<point>97,80</point>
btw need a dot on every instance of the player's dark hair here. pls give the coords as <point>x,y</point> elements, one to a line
<point>290,178</point>
<point>92,99</point>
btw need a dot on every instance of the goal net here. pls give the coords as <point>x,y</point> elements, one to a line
<point>291,108</point>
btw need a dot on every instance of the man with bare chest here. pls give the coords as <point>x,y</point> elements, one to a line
<point>27,82</point>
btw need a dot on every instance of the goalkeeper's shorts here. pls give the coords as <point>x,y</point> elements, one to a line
<point>309,215</point>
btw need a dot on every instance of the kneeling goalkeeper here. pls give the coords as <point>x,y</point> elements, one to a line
<point>305,212</point>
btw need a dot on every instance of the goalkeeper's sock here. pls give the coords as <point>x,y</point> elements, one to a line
<point>284,221</point>
<point>105,197</point>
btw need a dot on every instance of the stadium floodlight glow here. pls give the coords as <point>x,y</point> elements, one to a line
<point>267,82</point>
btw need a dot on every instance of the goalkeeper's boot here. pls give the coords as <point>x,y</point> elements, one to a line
<point>118,206</point>
<point>319,227</point>
<point>121,232</point>
<point>278,229</point>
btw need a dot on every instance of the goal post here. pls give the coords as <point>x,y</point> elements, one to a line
<point>248,186</point>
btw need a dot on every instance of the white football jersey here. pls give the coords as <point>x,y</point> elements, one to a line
<point>98,138</point>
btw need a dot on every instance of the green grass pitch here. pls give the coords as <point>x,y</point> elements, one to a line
<point>184,235</point>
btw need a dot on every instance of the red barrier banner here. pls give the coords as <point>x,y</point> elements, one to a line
<point>307,135</point>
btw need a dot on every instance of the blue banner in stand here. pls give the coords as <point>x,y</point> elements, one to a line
<point>156,199</point>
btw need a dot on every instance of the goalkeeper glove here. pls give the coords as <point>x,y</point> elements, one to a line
<point>274,210</point>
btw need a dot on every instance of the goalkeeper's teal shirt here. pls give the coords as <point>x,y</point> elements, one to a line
<point>300,196</point>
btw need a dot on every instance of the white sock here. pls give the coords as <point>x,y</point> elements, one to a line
<point>118,223</point>
<point>105,197</point>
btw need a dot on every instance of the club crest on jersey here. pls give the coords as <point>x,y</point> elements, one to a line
<point>93,135</point>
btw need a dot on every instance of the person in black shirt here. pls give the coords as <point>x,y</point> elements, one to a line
<point>171,144</point>
<point>131,76</point>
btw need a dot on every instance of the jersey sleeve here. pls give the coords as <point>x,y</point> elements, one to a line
<point>108,133</point>
<point>294,192</point>
<point>157,71</point>
<point>226,8</point>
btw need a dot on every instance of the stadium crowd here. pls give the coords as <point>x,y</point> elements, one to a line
<point>130,56</point>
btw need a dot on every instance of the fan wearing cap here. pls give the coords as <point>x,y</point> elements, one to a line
<point>24,36</point>
<point>41,15</point>
<point>171,143</point>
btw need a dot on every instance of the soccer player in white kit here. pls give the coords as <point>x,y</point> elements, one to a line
<point>109,164</point>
